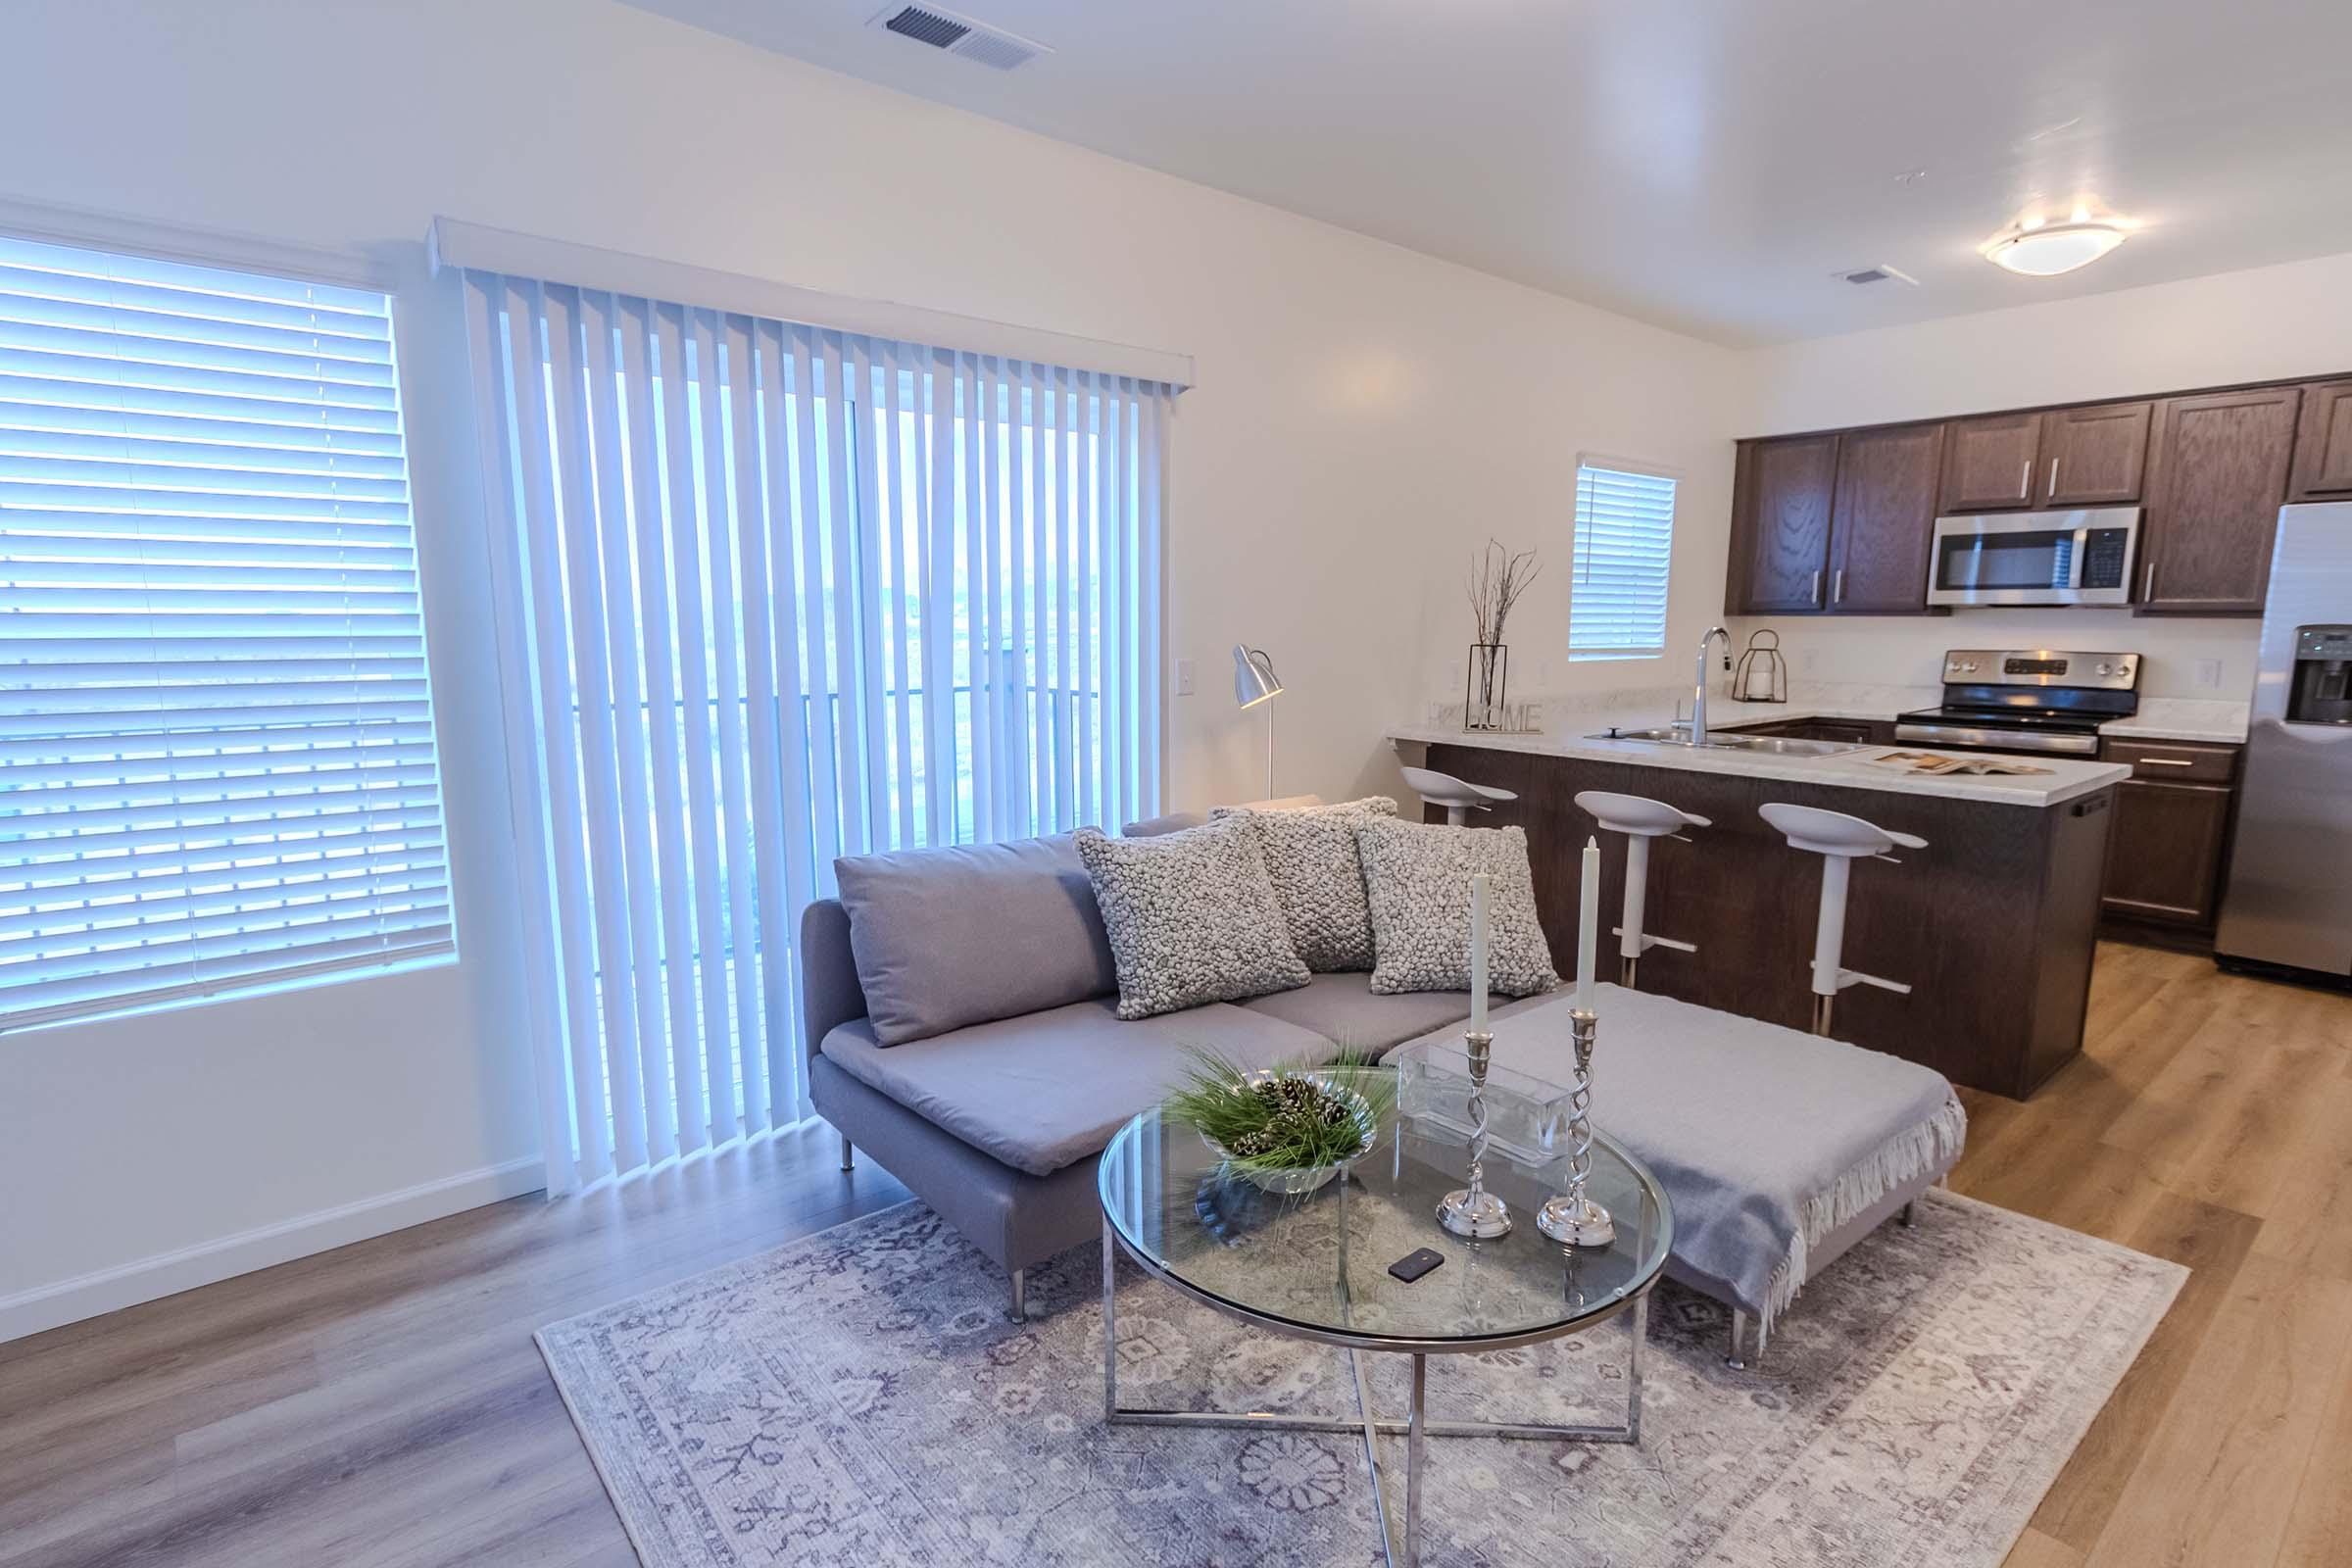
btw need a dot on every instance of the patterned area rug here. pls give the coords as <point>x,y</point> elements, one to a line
<point>859,1399</point>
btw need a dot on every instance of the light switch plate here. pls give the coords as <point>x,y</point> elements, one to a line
<point>1186,676</point>
<point>2209,673</point>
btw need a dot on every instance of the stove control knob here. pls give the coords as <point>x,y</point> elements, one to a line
<point>2106,669</point>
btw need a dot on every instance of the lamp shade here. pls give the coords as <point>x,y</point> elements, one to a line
<point>1253,677</point>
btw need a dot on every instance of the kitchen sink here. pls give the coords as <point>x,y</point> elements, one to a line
<point>1757,745</point>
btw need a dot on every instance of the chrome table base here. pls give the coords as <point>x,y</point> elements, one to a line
<point>1402,1546</point>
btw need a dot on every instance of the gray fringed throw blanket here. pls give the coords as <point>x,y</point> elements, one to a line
<point>1765,1139</point>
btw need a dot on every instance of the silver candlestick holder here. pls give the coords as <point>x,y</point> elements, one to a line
<point>1473,1212</point>
<point>1572,1218</point>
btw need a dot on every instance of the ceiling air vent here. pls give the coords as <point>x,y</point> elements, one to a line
<point>1881,273</point>
<point>960,35</point>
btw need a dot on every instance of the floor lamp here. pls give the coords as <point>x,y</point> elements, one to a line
<point>1254,682</point>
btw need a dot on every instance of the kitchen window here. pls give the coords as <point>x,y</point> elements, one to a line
<point>217,741</point>
<point>1623,557</point>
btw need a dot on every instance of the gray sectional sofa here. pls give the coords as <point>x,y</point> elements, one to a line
<point>997,1125</point>
<point>979,1060</point>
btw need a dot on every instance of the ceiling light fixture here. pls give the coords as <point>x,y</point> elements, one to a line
<point>2039,248</point>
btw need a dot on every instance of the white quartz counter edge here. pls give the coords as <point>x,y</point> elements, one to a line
<point>2160,718</point>
<point>1853,770</point>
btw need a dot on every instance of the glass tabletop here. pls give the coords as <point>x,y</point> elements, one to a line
<point>1317,1263</point>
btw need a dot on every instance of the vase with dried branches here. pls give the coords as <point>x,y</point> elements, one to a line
<point>1497,580</point>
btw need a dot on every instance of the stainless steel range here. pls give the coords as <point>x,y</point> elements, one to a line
<point>2025,700</point>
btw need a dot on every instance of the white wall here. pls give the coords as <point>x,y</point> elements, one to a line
<point>1364,417</point>
<point>2264,323</point>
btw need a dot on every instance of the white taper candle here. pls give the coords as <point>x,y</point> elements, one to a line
<point>1478,954</point>
<point>1588,924</point>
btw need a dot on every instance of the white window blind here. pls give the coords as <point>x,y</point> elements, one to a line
<point>217,745</point>
<point>1624,553</point>
<point>771,594</point>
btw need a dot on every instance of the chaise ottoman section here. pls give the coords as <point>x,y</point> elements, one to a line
<point>1778,1150</point>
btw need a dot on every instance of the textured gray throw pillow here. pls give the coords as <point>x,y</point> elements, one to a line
<point>1418,879</point>
<point>972,932</point>
<point>1191,918</point>
<point>1319,876</point>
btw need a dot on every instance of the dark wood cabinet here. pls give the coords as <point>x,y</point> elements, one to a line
<point>2166,862</point>
<point>1884,526</point>
<point>1988,464</point>
<point>2172,825</point>
<point>2213,501</point>
<point>1780,526</point>
<point>2323,446</point>
<point>1842,521</point>
<point>2093,457</point>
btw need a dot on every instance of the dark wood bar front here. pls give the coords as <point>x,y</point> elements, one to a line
<point>1992,924</point>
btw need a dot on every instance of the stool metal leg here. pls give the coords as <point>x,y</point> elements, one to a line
<point>1823,1007</point>
<point>1629,972</point>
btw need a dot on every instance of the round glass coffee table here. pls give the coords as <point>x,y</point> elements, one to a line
<point>1316,1266</point>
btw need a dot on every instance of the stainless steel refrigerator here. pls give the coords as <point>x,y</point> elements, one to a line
<point>2290,900</point>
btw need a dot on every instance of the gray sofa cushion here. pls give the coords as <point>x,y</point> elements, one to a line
<point>1151,827</point>
<point>1418,879</point>
<point>1041,1092</point>
<point>962,934</point>
<point>1193,917</point>
<point>1342,1008</point>
<point>1319,875</point>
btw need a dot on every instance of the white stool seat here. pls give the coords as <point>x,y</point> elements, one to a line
<point>1640,820</point>
<point>1809,827</point>
<point>1637,813</point>
<point>1839,840</point>
<point>1458,796</point>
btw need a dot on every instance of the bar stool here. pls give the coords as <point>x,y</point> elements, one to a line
<point>1640,820</point>
<point>1458,796</point>
<point>1839,840</point>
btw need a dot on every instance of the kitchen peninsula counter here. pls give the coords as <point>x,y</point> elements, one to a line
<point>1993,924</point>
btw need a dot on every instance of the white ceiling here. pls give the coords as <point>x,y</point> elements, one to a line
<point>1702,163</point>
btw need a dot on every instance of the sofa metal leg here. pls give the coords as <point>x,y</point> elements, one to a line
<point>1910,1214</point>
<point>1020,1296</point>
<point>1739,1332</point>
<point>848,1161</point>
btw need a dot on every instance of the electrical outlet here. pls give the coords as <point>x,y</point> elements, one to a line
<point>2209,673</point>
<point>1186,677</point>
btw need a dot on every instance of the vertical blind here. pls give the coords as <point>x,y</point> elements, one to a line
<point>1624,551</point>
<point>218,748</point>
<point>770,594</point>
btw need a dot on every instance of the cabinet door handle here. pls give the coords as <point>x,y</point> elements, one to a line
<point>2025,480</point>
<point>2053,491</point>
<point>1837,587</point>
<point>2147,592</point>
<point>1814,593</point>
<point>2166,761</point>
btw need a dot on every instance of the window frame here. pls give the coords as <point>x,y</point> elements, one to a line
<point>285,260</point>
<point>1641,469</point>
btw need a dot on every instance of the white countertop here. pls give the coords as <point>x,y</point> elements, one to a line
<point>1856,769</point>
<point>2181,718</point>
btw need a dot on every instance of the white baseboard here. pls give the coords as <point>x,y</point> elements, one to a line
<point>46,1307</point>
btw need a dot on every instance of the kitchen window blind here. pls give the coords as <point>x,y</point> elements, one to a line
<point>1624,551</point>
<point>218,745</point>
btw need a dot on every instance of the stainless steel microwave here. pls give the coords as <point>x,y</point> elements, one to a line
<point>2035,558</point>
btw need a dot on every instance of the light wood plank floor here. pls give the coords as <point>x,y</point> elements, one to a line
<point>383,1404</point>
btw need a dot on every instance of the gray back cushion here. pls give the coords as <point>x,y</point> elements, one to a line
<point>972,932</point>
<point>1151,827</point>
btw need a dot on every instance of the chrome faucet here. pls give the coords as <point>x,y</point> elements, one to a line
<point>1698,701</point>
